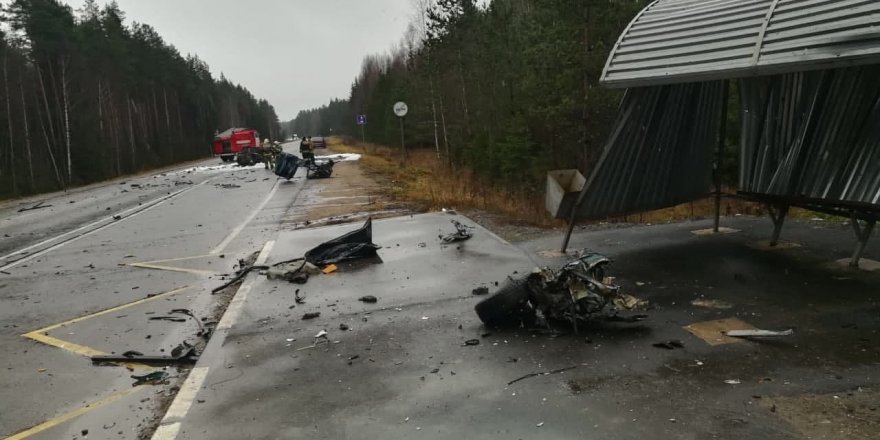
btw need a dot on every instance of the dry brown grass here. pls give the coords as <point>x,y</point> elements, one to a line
<point>429,182</point>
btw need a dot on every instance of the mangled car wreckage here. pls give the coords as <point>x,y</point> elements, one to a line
<point>576,291</point>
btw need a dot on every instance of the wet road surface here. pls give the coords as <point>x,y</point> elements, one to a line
<point>84,276</point>
<point>401,368</point>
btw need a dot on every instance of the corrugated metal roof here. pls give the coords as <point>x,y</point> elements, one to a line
<point>675,41</point>
<point>813,137</point>
<point>660,151</point>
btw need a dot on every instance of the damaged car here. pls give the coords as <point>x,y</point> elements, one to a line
<point>576,291</point>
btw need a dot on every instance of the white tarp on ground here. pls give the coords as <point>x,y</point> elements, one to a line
<point>341,157</point>
<point>226,167</point>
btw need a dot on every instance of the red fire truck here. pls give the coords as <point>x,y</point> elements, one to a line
<point>232,141</point>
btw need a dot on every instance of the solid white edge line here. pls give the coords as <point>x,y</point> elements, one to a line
<point>187,394</point>
<point>246,221</point>
<point>170,425</point>
<point>167,432</point>
<point>264,253</point>
<point>233,311</point>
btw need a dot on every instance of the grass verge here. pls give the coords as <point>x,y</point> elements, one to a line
<point>429,183</point>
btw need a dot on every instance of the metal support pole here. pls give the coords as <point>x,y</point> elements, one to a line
<point>778,217</point>
<point>862,234</point>
<point>571,223</point>
<point>402,141</point>
<point>719,154</point>
<point>363,138</point>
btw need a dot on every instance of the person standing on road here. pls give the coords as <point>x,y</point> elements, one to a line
<point>305,148</point>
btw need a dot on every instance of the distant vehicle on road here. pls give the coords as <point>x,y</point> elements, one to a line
<point>231,142</point>
<point>318,142</point>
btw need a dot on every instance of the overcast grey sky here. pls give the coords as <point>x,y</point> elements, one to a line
<point>295,53</point>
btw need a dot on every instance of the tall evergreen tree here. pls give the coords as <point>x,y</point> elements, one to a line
<point>86,98</point>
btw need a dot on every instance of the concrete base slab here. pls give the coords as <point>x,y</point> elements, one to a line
<point>711,231</point>
<point>864,264</point>
<point>399,367</point>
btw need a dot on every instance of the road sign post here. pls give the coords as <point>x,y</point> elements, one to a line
<point>401,109</point>
<point>361,121</point>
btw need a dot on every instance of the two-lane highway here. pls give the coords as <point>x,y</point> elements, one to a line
<point>85,276</point>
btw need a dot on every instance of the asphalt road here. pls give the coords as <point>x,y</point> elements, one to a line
<point>401,368</point>
<point>80,256</point>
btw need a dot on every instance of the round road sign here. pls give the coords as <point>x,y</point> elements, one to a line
<point>400,109</point>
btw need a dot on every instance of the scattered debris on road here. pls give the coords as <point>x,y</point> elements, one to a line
<point>628,302</point>
<point>543,373</point>
<point>758,333</point>
<point>462,232</point>
<point>353,245</point>
<point>39,205</point>
<point>184,356</point>
<point>286,165</point>
<point>167,318</point>
<point>483,290</point>
<point>319,169</point>
<point>238,276</point>
<point>154,378</point>
<point>311,315</point>
<point>370,299</point>
<point>192,315</point>
<point>711,303</point>
<point>296,271</point>
<point>669,345</point>
<point>471,342</point>
<point>572,293</point>
<point>226,185</point>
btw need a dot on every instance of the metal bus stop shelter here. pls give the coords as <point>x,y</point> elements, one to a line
<point>808,77</point>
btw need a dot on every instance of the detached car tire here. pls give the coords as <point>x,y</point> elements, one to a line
<point>508,306</point>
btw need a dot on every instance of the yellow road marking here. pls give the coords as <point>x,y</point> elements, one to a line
<point>106,311</point>
<point>172,268</point>
<point>69,346</point>
<point>153,265</point>
<point>51,423</point>
<point>194,257</point>
<point>42,336</point>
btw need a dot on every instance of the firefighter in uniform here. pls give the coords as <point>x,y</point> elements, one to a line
<point>305,148</point>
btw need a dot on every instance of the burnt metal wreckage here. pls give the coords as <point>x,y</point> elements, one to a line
<point>316,168</point>
<point>809,99</point>
<point>462,232</point>
<point>577,291</point>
